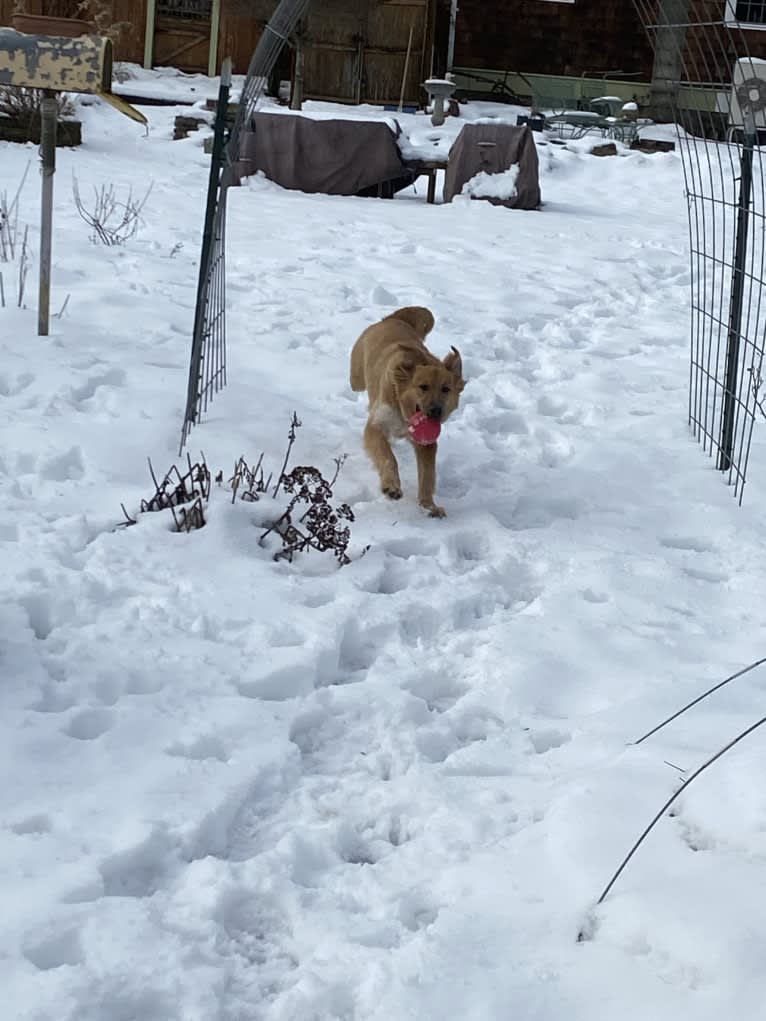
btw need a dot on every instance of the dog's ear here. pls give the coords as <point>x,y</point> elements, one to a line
<point>405,368</point>
<point>454,363</point>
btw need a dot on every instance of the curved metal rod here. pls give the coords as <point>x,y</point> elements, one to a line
<point>710,691</point>
<point>670,801</point>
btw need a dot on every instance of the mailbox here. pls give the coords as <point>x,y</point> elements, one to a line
<point>61,64</point>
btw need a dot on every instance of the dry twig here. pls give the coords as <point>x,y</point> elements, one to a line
<point>112,221</point>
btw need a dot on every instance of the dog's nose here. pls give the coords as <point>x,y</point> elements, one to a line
<point>435,411</point>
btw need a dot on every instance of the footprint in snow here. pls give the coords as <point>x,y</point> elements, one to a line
<point>380,296</point>
<point>88,389</point>
<point>141,870</point>
<point>11,387</point>
<point>543,741</point>
<point>687,544</point>
<point>200,749</point>
<point>55,951</point>
<point>89,724</point>
<point>67,466</point>
<point>32,825</point>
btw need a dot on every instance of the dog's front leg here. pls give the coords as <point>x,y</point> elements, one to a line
<point>382,456</point>
<point>426,458</point>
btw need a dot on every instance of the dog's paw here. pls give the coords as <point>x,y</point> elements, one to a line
<point>433,511</point>
<point>393,492</point>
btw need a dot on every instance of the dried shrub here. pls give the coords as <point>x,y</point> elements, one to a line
<point>23,259</point>
<point>101,14</point>
<point>14,243</point>
<point>9,221</point>
<point>321,524</point>
<point>310,521</point>
<point>112,221</point>
<point>321,527</point>
<point>188,493</point>
<point>23,105</point>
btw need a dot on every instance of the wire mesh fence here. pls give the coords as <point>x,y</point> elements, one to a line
<point>207,364</point>
<point>715,91</point>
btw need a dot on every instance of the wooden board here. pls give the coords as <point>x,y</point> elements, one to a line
<point>239,32</point>
<point>357,50</point>
<point>181,42</point>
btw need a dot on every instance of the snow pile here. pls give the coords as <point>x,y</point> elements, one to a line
<point>492,186</point>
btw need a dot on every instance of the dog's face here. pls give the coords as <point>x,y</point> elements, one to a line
<point>433,389</point>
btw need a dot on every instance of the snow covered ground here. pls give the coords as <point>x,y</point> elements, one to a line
<point>252,791</point>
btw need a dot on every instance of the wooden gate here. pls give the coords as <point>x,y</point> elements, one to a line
<point>356,50</point>
<point>182,34</point>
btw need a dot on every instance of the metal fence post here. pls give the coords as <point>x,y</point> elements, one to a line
<point>207,364</point>
<point>49,118</point>
<point>737,293</point>
<point>203,287</point>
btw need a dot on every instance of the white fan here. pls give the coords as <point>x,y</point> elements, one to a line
<point>748,93</point>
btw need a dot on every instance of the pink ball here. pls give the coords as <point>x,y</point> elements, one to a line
<point>424,430</point>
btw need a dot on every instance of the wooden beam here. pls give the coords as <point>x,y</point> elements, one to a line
<point>192,40</point>
<point>215,22</point>
<point>151,7</point>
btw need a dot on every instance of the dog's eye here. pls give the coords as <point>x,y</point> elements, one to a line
<point>445,389</point>
<point>424,387</point>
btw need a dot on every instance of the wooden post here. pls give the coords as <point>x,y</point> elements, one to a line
<point>406,66</point>
<point>296,93</point>
<point>151,7</point>
<point>451,40</point>
<point>215,24</point>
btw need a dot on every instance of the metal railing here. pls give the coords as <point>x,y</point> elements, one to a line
<point>724,175</point>
<point>207,364</point>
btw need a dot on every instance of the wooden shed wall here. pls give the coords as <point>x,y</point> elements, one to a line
<point>356,50</point>
<point>131,14</point>
<point>704,56</point>
<point>239,32</point>
<point>590,37</point>
<point>540,37</point>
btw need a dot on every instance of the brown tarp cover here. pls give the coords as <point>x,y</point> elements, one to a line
<point>511,145</point>
<point>332,157</point>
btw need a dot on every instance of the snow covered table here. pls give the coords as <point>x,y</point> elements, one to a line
<point>427,168</point>
<point>330,156</point>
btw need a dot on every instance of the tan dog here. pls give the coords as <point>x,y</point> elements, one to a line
<point>401,376</point>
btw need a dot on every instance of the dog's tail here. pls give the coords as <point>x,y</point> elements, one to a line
<point>357,379</point>
<point>419,318</point>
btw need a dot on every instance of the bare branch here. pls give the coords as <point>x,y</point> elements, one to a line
<point>112,221</point>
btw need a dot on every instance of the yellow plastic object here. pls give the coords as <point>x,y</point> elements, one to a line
<point>123,106</point>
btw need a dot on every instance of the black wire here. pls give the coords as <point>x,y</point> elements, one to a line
<point>699,698</point>
<point>670,801</point>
